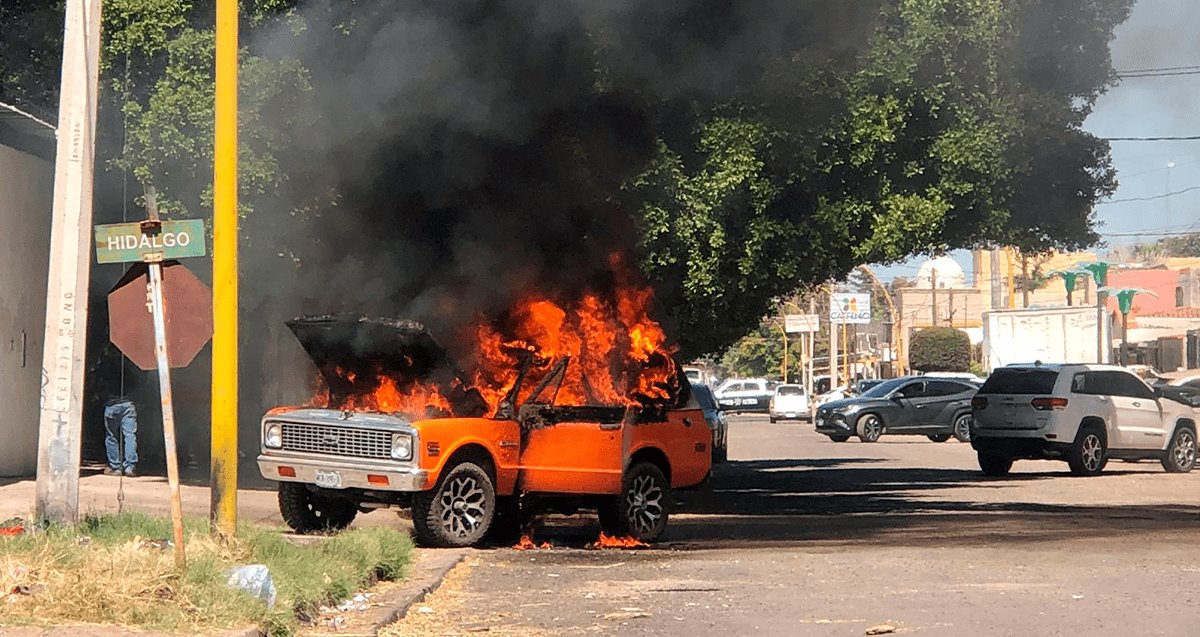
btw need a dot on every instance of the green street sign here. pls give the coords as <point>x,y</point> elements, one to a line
<point>124,242</point>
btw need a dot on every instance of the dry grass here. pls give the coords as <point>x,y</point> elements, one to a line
<point>114,570</point>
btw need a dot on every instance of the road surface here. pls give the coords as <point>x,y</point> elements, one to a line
<point>799,535</point>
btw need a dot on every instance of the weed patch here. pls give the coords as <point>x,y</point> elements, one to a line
<point>117,570</point>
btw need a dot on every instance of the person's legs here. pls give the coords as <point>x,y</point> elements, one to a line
<point>112,420</point>
<point>129,431</point>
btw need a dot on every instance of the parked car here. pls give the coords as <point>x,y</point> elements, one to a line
<point>938,408</point>
<point>745,394</point>
<point>715,418</point>
<point>790,402</point>
<point>1083,414</point>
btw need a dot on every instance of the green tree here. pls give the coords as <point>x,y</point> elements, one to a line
<point>940,349</point>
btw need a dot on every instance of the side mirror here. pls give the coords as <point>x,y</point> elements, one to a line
<point>1158,392</point>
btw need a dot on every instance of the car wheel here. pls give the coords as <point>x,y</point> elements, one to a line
<point>1087,455</point>
<point>640,512</point>
<point>1180,456</point>
<point>870,427</point>
<point>994,464</point>
<point>839,438</point>
<point>773,419</point>
<point>939,437</point>
<point>962,427</point>
<point>307,511</point>
<point>458,511</point>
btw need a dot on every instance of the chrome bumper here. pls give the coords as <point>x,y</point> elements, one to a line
<point>352,473</point>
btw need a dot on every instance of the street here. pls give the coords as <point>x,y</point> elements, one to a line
<point>798,535</point>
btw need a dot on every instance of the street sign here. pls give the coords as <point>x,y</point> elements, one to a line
<point>124,242</point>
<point>188,316</point>
<point>801,323</point>
<point>850,309</point>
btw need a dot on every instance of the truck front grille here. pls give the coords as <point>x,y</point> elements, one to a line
<point>337,441</point>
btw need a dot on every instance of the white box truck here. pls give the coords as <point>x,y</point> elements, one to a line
<point>1050,335</point>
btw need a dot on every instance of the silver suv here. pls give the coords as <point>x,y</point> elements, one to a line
<point>1084,414</point>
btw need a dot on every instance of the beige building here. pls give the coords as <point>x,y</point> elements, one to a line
<point>26,190</point>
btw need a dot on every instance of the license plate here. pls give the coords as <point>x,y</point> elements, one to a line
<point>328,479</point>
<point>791,414</point>
<point>748,401</point>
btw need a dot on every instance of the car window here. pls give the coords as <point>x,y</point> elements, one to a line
<point>1131,386</point>
<point>704,396</point>
<point>912,390</point>
<point>1086,383</point>
<point>945,388</point>
<point>789,390</point>
<point>1020,381</point>
<point>1194,383</point>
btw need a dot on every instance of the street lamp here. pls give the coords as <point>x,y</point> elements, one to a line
<point>1070,279</point>
<point>1125,304</point>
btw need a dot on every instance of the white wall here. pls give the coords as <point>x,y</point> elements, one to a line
<point>26,191</point>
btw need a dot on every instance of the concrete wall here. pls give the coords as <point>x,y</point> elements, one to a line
<point>26,191</point>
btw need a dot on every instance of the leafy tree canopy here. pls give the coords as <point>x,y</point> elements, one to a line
<point>940,349</point>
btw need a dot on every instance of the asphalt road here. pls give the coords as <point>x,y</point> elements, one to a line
<point>799,535</point>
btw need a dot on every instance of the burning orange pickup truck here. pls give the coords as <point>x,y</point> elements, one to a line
<point>468,470</point>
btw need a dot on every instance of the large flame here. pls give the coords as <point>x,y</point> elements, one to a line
<point>619,356</point>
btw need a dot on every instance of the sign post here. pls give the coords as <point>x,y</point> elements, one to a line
<point>846,309</point>
<point>155,241</point>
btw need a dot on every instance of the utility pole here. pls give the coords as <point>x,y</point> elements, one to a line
<point>933,294</point>
<point>997,292</point>
<point>833,342</point>
<point>223,468</point>
<point>60,424</point>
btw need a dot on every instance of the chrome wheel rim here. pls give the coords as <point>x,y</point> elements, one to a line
<point>644,505</point>
<point>1092,452</point>
<point>872,428</point>
<point>962,427</point>
<point>463,506</point>
<point>1185,449</point>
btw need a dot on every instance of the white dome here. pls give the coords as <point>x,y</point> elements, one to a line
<point>949,274</point>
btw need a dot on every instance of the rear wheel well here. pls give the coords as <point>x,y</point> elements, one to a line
<point>1093,422</point>
<point>473,453</point>
<point>654,456</point>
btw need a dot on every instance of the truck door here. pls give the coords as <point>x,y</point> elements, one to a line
<point>572,451</point>
<point>1138,414</point>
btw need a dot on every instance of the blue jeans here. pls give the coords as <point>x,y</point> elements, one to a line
<point>121,417</point>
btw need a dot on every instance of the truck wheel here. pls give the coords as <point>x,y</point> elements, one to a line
<point>1180,456</point>
<point>458,511</point>
<point>307,511</point>
<point>640,512</point>
<point>939,437</point>
<point>1086,456</point>
<point>870,427</point>
<point>507,523</point>
<point>962,427</point>
<point>994,465</point>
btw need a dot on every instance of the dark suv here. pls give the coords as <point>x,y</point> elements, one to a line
<point>939,408</point>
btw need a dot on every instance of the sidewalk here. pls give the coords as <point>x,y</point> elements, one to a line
<point>152,495</point>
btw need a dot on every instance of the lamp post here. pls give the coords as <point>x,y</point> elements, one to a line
<point>1070,279</point>
<point>1099,271</point>
<point>1125,304</point>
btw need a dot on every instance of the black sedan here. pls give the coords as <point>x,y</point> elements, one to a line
<point>939,408</point>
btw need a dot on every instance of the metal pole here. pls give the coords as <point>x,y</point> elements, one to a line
<point>1124,338</point>
<point>833,345</point>
<point>60,421</point>
<point>223,511</point>
<point>168,408</point>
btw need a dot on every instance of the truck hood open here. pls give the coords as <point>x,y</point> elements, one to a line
<point>369,346</point>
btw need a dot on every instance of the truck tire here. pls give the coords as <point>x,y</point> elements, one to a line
<point>458,511</point>
<point>1180,456</point>
<point>641,511</point>
<point>307,511</point>
<point>508,522</point>
<point>1087,455</point>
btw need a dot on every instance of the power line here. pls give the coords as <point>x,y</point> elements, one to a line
<point>1150,198</point>
<point>1160,69</point>
<point>1177,138</point>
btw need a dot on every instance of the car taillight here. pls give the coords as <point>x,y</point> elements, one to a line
<point>1047,404</point>
<point>979,402</point>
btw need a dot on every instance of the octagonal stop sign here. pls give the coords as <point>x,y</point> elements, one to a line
<point>187,305</point>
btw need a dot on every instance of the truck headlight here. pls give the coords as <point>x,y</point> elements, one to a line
<point>402,446</point>
<point>273,437</point>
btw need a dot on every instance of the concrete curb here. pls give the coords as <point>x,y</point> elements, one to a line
<point>429,570</point>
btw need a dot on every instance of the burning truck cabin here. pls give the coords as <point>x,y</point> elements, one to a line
<point>395,424</point>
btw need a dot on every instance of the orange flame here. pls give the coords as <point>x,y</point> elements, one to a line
<point>527,544</point>
<point>606,541</point>
<point>619,356</point>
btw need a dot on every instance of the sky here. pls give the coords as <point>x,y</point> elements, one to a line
<point>1159,33</point>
